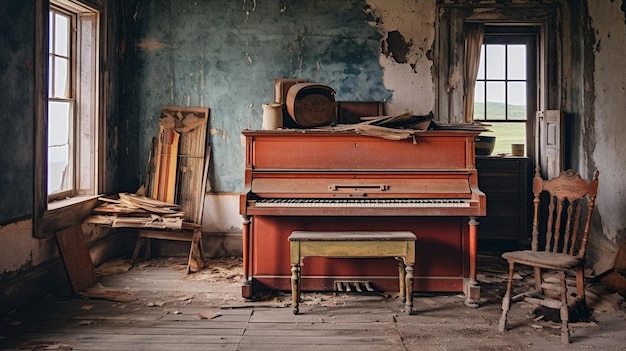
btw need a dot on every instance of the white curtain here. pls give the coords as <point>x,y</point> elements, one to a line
<point>473,42</point>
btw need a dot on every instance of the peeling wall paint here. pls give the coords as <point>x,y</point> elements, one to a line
<point>610,89</point>
<point>410,78</point>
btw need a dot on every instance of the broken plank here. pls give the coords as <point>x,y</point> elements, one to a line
<point>76,258</point>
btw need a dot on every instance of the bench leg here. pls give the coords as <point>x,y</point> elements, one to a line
<point>295,287</point>
<point>196,257</point>
<point>409,289</point>
<point>402,282</point>
<point>137,248</point>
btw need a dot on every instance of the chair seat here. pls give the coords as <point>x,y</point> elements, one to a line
<point>544,259</point>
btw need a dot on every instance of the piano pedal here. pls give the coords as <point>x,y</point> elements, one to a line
<point>347,285</point>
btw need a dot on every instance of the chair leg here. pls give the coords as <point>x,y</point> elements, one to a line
<point>538,279</point>
<point>564,310</point>
<point>506,301</point>
<point>581,298</point>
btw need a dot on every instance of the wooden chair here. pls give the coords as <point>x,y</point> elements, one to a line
<point>564,240</point>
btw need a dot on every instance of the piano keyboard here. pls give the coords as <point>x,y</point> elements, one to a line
<point>404,203</point>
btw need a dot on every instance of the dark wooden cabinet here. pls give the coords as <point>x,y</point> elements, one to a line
<point>505,181</point>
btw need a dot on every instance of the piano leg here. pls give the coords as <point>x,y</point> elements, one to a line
<point>246,288</point>
<point>472,290</point>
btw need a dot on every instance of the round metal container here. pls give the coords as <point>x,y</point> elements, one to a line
<point>311,104</point>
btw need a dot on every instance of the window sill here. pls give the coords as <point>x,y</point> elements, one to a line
<point>67,213</point>
<point>60,204</point>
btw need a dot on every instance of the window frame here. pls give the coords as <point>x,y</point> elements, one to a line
<point>52,216</point>
<point>449,57</point>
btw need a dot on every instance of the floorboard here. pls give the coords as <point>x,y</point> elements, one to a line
<point>171,310</point>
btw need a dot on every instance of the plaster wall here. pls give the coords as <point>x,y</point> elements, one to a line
<point>607,150</point>
<point>20,250</point>
<point>221,214</point>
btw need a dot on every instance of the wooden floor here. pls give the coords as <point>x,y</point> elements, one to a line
<point>156,306</point>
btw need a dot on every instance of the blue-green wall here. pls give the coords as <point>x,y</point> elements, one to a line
<point>225,55</point>
<point>17,34</point>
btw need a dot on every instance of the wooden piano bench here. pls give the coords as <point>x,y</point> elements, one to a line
<point>354,244</point>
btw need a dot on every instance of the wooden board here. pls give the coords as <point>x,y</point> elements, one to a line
<point>166,165</point>
<point>190,170</point>
<point>76,258</point>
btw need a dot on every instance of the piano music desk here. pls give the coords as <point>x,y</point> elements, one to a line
<point>354,244</point>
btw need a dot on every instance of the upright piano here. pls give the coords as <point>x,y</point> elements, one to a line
<point>324,180</point>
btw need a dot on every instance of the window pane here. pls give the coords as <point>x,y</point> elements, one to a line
<point>495,62</point>
<point>495,100</point>
<point>59,146</point>
<point>58,122</point>
<point>61,78</point>
<point>61,35</point>
<point>516,95</point>
<point>516,61</point>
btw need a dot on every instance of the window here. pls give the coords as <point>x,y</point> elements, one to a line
<point>69,123</point>
<point>505,92</point>
<point>72,121</point>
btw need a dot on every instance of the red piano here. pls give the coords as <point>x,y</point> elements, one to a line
<point>343,181</point>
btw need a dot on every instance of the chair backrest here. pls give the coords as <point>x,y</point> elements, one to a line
<point>571,201</point>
